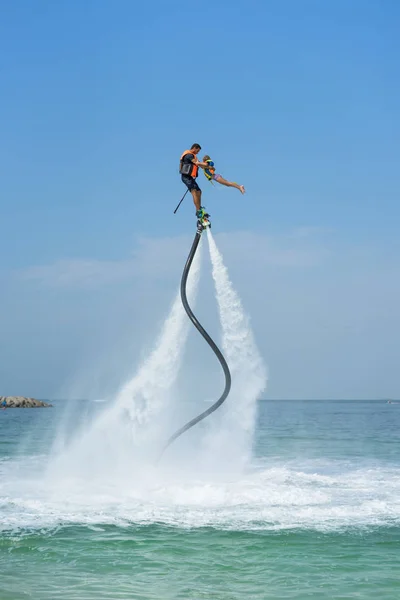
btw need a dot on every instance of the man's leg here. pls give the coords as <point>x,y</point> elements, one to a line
<point>196,198</point>
<point>194,189</point>
<point>196,194</point>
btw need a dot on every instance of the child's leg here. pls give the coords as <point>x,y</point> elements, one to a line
<point>223,181</point>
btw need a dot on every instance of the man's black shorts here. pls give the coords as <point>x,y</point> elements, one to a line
<point>190,183</point>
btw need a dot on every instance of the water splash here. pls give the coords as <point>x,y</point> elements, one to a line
<point>131,429</point>
<point>148,391</point>
<point>232,436</point>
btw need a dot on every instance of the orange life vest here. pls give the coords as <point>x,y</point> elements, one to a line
<point>194,169</point>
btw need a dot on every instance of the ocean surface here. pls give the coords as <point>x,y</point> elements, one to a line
<point>314,512</point>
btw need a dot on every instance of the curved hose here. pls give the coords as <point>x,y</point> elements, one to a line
<point>208,339</point>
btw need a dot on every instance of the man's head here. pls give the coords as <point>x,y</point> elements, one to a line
<point>195,148</point>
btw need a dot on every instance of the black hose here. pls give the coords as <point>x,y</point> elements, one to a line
<point>181,200</point>
<point>208,339</point>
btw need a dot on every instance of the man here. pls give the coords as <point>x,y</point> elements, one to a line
<point>189,168</point>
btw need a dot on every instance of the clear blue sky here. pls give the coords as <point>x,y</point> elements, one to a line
<point>299,100</point>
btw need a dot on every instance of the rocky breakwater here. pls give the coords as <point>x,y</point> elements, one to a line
<point>21,402</point>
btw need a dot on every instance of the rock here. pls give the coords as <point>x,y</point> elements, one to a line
<point>21,402</point>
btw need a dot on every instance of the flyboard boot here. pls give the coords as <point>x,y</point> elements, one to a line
<point>203,219</point>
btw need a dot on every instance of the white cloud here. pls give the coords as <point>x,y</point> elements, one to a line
<point>287,250</point>
<point>158,257</point>
<point>324,312</point>
<point>80,272</point>
<point>152,257</point>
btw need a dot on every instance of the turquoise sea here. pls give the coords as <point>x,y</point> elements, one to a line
<point>314,514</point>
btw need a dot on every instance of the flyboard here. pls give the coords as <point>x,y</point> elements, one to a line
<point>203,223</point>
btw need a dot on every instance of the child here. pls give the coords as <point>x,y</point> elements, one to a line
<point>210,173</point>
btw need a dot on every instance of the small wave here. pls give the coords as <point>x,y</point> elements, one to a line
<point>273,498</point>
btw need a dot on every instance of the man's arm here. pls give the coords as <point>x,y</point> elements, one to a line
<point>203,165</point>
<point>196,162</point>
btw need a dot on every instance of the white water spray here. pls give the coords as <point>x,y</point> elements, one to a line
<point>136,422</point>
<point>325,494</point>
<point>147,393</point>
<point>232,435</point>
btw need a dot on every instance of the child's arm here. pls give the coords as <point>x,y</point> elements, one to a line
<point>201,164</point>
